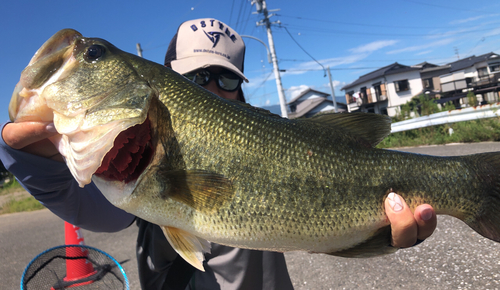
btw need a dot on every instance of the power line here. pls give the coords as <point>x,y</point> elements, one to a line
<point>442,6</point>
<point>304,49</point>
<point>333,31</point>
<point>370,25</point>
<point>239,16</point>
<point>260,85</point>
<point>231,14</point>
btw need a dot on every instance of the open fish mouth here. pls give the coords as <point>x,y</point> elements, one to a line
<point>130,155</point>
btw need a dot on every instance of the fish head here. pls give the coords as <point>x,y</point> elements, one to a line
<point>92,92</point>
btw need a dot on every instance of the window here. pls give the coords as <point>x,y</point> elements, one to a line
<point>378,90</point>
<point>482,72</point>
<point>495,67</point>
<point>402,85</point>
<point>428,84</point>
<point>362,95</point>
<point>350,97</point>
<point>293,108</point>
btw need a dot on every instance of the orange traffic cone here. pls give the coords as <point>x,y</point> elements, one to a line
<point>76,269</point>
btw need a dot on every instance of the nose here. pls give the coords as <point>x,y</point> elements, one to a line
<point>212,86</point>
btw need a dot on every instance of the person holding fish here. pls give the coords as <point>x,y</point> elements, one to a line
<point>210,54</point>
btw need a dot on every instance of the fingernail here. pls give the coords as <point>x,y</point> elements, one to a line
<point>395,202</point>
<point>51,128</point>
<point>426,214</point>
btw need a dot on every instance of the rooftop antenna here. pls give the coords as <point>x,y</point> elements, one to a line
<point>456,52</point>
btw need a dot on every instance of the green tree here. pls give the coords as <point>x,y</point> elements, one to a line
<point>427,105</point>
<point>449,106</point>
<point>472,99</point>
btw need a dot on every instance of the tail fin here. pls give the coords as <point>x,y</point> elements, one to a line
<point>487,220</point>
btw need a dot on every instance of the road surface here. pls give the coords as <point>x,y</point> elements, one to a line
<point>454,257</point>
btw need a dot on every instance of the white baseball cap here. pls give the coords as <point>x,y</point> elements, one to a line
<point>205,42</point>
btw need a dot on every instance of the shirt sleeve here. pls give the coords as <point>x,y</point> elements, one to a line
<point>52,184</point>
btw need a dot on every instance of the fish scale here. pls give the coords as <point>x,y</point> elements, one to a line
<point>226,172</point>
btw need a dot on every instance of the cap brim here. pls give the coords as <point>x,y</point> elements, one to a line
<point>186,65</point>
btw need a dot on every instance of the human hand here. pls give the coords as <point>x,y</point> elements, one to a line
<point>408,227</point>
<point>32,137</point>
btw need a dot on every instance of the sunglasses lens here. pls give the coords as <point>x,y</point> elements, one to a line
<point>201,77</point>
<point>229,81</point>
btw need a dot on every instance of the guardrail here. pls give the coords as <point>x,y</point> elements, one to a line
<point>467,114</point>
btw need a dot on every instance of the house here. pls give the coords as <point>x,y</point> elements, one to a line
<point>310,102</point>
<point>479,74</point>
<point>384,90</point>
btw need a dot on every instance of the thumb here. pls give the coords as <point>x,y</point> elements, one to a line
<point>20,135</point>
<point>404,228</point>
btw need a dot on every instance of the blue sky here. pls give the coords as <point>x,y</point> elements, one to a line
<point>352,37</point>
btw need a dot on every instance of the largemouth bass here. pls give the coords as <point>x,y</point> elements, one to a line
<point>209,169</point>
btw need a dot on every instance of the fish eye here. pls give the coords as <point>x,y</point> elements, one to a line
<point>95,51</point>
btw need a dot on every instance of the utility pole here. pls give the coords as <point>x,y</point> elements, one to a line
<point>139,49</point>
<point>261,7</point>
<point>333,90</point>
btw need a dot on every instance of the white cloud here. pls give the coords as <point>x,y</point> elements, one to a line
<point>373,46</point>
<point>434,44</point>
<point>357,54</point>
<point>462,21</point>
<point>424,52</point>
<point>294,91</point>
<point>493,32</point>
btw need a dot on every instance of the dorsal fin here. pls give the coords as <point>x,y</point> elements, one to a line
<point>370,127</point>
<point>257,110</point>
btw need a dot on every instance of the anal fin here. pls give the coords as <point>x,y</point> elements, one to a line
<point>188,246</point>
<point>378,244</point>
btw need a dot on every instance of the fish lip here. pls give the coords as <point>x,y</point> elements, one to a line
<point>49,58</point>
<point>62,39</point>
<point>44,64</point>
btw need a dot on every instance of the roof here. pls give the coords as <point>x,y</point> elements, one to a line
<point>306,107</point>
<point>470,61</point>
<point>305,92</point>
<point>435,68</point>
<point>386,70</point>
<point>424,65</point>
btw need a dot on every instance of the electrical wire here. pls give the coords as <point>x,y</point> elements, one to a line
<point>260,85</point>
<point>375,25</point>
<point>401,35</point>
<point>445,7</point>
<point>305,50</point>
<point>231,14</point>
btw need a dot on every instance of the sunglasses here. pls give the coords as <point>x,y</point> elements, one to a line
<point>226,80</point>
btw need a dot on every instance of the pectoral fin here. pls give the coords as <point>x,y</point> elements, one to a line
<point>188,246</point>
<point>202,190</point>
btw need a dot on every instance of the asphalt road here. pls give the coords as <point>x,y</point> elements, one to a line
<point>454,257</point>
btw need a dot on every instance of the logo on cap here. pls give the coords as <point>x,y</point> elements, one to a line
<point>214,37</point>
